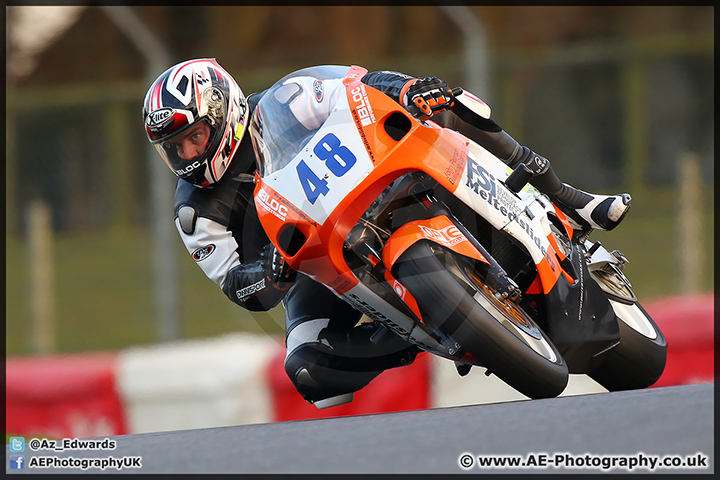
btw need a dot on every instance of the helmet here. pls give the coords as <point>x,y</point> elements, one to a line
<point>184,96</point>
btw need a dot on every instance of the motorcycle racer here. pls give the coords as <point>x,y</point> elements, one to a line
<point>196,116</point>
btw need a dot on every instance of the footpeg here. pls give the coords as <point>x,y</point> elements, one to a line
<point>620,258</point>
<point>517,180</point>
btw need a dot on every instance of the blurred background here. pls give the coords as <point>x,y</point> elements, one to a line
<point>619,98</point>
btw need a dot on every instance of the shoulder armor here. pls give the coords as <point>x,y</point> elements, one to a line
<point>215,203</point>
<point>187,216</point>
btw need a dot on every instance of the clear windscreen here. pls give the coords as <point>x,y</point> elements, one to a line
<point>283,121</point>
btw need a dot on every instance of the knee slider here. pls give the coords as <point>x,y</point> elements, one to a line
<point>317,374</point>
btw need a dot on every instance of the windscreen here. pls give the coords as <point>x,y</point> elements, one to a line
<point>290,112</point>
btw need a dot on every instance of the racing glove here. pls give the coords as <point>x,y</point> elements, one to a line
<point>426,96</point>
<point>275,266</point>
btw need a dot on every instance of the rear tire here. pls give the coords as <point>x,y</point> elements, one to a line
<point>639,359</point>
<point>497,333</point>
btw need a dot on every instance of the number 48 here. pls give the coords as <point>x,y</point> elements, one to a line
<point>339,160</point>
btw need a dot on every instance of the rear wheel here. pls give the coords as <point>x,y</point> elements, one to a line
<point>639,359</point>
<point>455,301</point>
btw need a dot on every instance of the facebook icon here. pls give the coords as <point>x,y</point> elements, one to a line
<point>17,462</point>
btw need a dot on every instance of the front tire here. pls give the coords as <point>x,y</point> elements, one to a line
<point>497,333</point>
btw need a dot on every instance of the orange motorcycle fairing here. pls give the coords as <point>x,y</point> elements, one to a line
<point>299,241</point>
<point>396,145</point>
<point>563,219</point>
<point>440,230</point>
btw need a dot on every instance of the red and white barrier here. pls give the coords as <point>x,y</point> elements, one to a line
<point>70,396</point>
<point>688,325</point>
<point>239,379</point>
<point>196,384</point>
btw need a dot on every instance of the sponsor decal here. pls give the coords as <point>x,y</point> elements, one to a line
<point>542,165</point>
<point>165,119</point>
<point>363,115</point>
<point>370,311</point>
<point>271,199</point>
<point>456,165</point>
<point>484,184</point>
<point>272,205</point>
<point>188,169</point>
<point>362,135</point>
<point>448,236</point>
<point>366,308</point>
<point>158,118</point>
<point>318,90</point>
<point>362,106</point>
<point>243,293</point>
<point>339,284</point>
<point>399,289</point>
<point>203,252</point>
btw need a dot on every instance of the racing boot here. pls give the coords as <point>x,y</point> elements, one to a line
<point>584,210</point>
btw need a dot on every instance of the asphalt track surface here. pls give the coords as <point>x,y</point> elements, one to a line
<point>652,423</point>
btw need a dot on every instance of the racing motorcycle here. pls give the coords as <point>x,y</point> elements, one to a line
<point>425,231</point>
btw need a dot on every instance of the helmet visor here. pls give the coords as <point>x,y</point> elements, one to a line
<point>183,153</point>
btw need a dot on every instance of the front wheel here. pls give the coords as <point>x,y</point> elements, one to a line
<point>639,359</point>
<point>454,301</point>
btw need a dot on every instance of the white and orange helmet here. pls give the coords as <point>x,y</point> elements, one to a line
<point>196,91</point>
